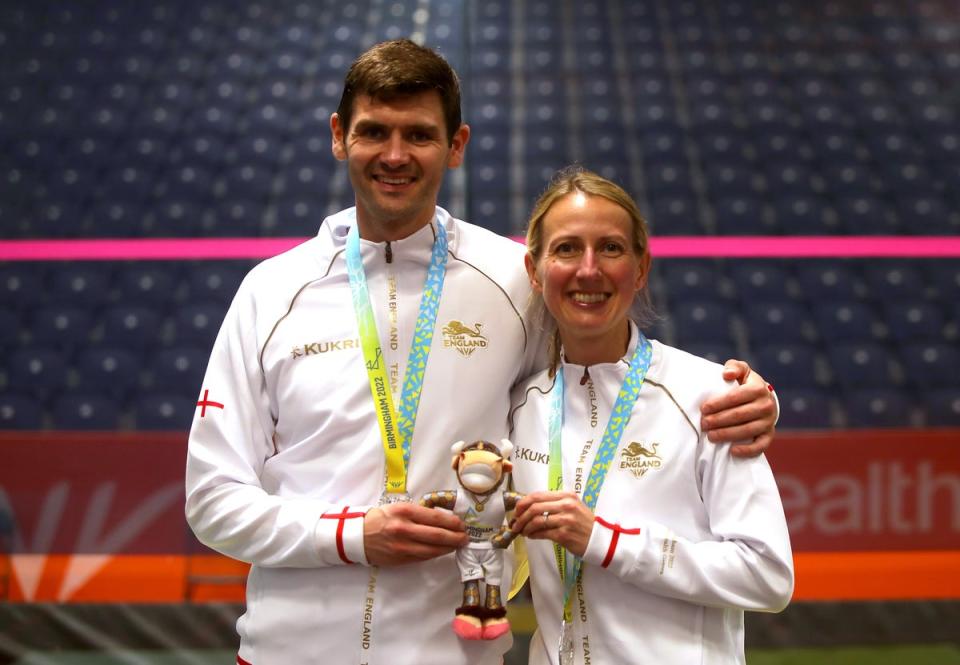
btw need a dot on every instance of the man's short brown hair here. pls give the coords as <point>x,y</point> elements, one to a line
<point>399,68</point>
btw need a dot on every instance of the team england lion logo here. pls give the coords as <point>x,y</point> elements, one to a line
<point>462,338</point>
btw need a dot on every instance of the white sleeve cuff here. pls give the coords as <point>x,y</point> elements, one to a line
<point>598,545</point>
<point>353,538</point>
<point>777,402</point>
<point>339,536</point>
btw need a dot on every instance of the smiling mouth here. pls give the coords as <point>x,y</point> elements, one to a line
<point>393,180</point>
<point>589,298</point>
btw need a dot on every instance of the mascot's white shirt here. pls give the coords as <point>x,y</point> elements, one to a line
<point>297,438</point>
<point>713,539</point>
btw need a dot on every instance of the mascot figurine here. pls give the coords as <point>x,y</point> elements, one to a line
<point>481,468</point>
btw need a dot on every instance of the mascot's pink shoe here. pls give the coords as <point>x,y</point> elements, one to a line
<point>467,627</point>
<point>494,628</point>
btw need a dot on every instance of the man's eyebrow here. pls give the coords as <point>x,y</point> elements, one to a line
<point>368,124</point>
<point>427,129</point>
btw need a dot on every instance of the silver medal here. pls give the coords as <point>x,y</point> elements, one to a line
<point>394,497</point>
<point>566,643</point>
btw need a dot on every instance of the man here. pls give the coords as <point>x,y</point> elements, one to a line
<point>347,367</point>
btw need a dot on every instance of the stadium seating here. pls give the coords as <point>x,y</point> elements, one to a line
<point>210,120</point>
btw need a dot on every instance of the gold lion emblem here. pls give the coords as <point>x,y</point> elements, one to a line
<point>465,340</point>
<point>457,328</point>
<point>635,450</point>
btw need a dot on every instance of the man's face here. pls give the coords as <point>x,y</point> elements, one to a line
<point>396,153</point>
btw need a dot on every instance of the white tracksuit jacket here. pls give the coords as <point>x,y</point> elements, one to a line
<point>713,539</point>
<point>297,438</point>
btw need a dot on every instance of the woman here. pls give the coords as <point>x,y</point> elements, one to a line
<point>663,539</point>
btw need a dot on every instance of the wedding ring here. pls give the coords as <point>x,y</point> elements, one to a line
<point>546,516</point>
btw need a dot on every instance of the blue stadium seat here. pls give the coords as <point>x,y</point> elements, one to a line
<point>247,182</point>
<point>79,284</point>
<point>20,283</point>
<point>675,216</point>
<point>879,407</point>
<point>176,218</point>
<point>263,150</point>
<point>731,179</point>
<point>301,179</point>
<point>743,215</point>
<point>837,147</point>
<point>702,321</point>
<point>658,147</point>
<point>915,321</point>
<point>109,371</point>
<point>707,88</point>
<point>942,407</point>
<point>880,116</point>
<point>828,281</point>
<point>825,116</point>
<point>201,150</point>
<point>712,114</point>
<point>178,370</point>
<point>10,329</point>
<point>650,85</point>
<point>722,145</point>
<point>718,352</point>
<point>187,183</point>
<point>130,327</point>
<point>20,412</point>
<point>783,321</point>
<point>927,214</point>
<point>861,365</point>
<point>148,284</point>
<point>606,147</point>
<point>787,366</point>
<point>655,115</point>
<point>71,183</point>
<point>867,214</point>
<point>804,409</point>
<point>941,147</point>
<point>490,211</point>
<point>214,281</point>
<point>118,218</point>
<point>37,371</point>
<point>931,365</point>
<point>164,411</point>
<point>690,279</point>
<point>85,412</point>
<point>159,117</point>
<point>61,326</point>
<point>296,216</point>
<point>897,279</point>
<point>847,321</point>
<point>850,179</point>
<point>129,182</point>
<point>909,178</point>
<point>896,147</point>
<point>944,276</point>
<point>756,280</point>
<point>805,215</point>
<point>197,323</point>
<point>218,118</point>
<point>780,144</point>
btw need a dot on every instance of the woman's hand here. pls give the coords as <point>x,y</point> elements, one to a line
<point>558,516</point>
<point>746,414</point>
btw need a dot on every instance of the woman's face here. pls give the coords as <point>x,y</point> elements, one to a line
<point>588,274</point>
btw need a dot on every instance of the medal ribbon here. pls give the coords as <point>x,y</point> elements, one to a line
<point>396,429</point>
<point>569,565</point>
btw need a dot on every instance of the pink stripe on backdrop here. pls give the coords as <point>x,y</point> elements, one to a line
<point>161,249</point>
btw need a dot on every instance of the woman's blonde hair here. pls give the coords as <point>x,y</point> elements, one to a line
<point>570,180</point>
